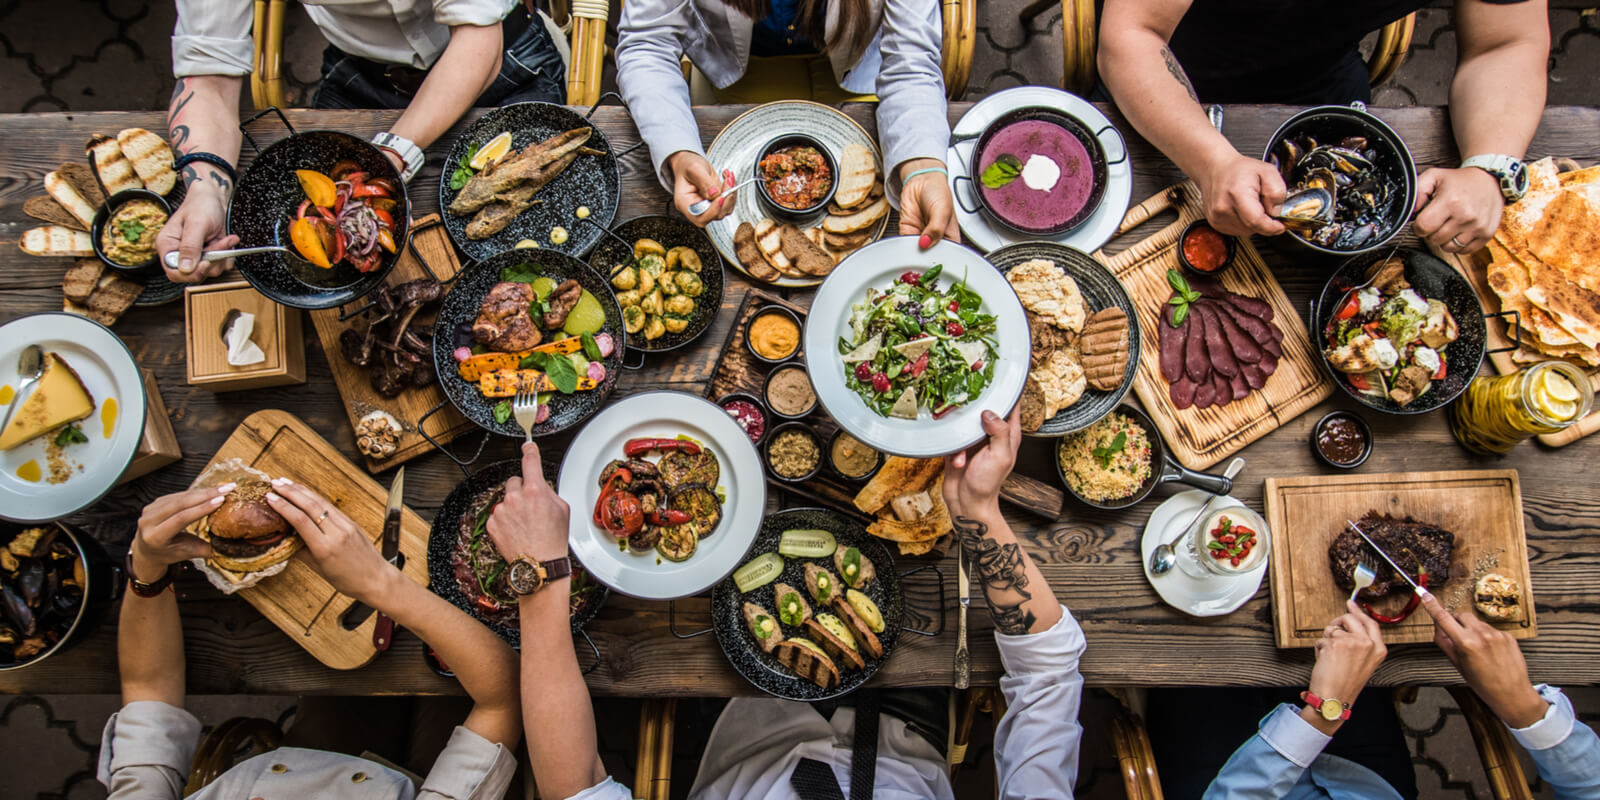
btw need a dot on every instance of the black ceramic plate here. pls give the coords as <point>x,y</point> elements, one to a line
<point>447,530</point>
<point>264,204</point>
<point>453,328</point>
<point>591,181</point>
<point>670,232</point>
<point>1433,279</point>
<point>760,668</point>
<point>1100,290</point>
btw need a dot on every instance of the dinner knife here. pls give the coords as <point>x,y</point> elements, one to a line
<point>964,596</point>
<point>383,631</point>
<point>1396,567</point>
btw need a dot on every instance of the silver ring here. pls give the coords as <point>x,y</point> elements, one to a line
<point>1457,243</point>
<point>321,518</point>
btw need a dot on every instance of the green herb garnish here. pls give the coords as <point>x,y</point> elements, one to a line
<point>1106,452</point>
<point>591,348</point>
<point>1183,299</point>
<point>70,435</point>
<point>502,411</point>
<point>131,229</point>
<point>464,171</point>
<point>526,272</point>
<point>1003,171</point>
<point>558,368</point>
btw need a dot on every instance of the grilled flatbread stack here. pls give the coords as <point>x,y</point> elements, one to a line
<point>1056,322</point>
<point>907,497</point>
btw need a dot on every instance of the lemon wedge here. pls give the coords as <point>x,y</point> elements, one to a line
<point>495,150</point>
<point>1558,387</point>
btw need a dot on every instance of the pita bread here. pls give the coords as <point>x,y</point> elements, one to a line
<point>1047,291</point>
<point>899,476</point>
<point>1567,238</point>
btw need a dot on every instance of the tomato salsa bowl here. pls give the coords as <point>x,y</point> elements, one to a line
<point>796,175</point>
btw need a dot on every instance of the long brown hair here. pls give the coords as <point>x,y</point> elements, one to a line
<point>854,32</point>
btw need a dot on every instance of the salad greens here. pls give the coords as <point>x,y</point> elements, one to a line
<point>916,345</point>
<point>464,170</point>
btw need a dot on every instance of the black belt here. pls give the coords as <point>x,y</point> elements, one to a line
<point>408,80</point>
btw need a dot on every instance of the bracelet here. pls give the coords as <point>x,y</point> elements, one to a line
<point>925,171</point>
<point>404,149</point>
<point>208,158</point>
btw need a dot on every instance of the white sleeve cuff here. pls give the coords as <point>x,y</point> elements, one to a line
<point>470,766</point>
<point>1554,727</point>
<point>1293,737</point>
<point>1055,649</point>
<point>148,733</point>
<point>607,789</point>
<point>451,13</point>
<point>211,55</point>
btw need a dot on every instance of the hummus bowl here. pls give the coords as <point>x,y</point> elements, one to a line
<point>125,228</point>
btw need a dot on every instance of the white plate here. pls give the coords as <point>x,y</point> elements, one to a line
<point>740,143</point>
<point>107,369</point>
<point>985,234</point>
<point>663,415</point>
<point>1211,597</point>
<point>876,266</point>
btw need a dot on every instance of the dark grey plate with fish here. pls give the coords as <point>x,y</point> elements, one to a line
<point>670,232</point>
<point>1100,290</point>
<point>591,181</point>
<point>446,572</point>
<point>453,329</point>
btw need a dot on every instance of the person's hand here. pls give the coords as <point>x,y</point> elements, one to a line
<point>926,207</point>
<point>1490,661</point>
<point>693,180</point>
<point>1458,210</point>
<point>1240,194</point>
<point>338,548</point>
<point>532,520</point>
<point>197,226</point>
<point>161,540</point>
<point>1350,650</point>
<point>972,478</point>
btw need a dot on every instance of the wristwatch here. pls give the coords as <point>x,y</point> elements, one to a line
<point>1508,170</point>
<point>1331,710</point>
<point>526,576</point>
<point>141,588</point>
<point>407,150</point>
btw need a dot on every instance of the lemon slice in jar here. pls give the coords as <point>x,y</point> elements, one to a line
<point>1555,396</point>
<point>495,150</point>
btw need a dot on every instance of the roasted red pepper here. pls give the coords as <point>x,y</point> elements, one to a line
<point>620,514</point>
<point>1349,309</point>
<point>638,447</point>
<point>624,476</point>
<point>667,517</point>
<point>1411,605</point>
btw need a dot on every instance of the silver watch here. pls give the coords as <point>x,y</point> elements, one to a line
<point>408,150</point>
<point>1508,170</point>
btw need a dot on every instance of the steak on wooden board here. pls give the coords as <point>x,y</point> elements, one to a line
<point>1409,542</point>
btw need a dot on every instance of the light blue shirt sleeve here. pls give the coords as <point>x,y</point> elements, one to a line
<point>1271,762</point>
<point>1566,752</point>
<point>652,37</point>
<point>1036,743</point>
<point>912,121</point>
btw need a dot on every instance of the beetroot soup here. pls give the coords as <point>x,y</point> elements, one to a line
<point>1035,175</point>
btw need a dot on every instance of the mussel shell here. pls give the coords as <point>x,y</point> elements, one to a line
<point>16,610</point>
<point>30,581</point>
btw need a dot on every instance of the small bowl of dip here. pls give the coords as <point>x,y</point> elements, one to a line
<point>1342,439</point>
<point>773,334</point>
<point>850,458</point>
<point>792,453</point>
<point>125,229</point>
<point>1231,541</point>
<point>789,393</point>
<point>796,175</point>
<point>746,410</point>
<point>1203,251</point>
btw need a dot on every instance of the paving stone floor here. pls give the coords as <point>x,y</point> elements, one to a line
<point>115,55</point>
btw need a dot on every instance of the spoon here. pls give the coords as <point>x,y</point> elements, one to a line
<point>702,206</point>
<point>29,367</point>
<point>218,255</point>
<point>1163,557</point>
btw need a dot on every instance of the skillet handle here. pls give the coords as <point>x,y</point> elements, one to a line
<point>1120,140</point>
<point>593,649</point>
<point>672,623</point>
<point>1173,471</point>
<point>422,429</point>
<point>955,190</point>
<point>1516,329</point>
<point>919,631</point>
<point>258,115</point>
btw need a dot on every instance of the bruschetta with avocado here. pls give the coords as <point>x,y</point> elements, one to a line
<point>793,610</point>
<point>763,625</point>
<point>822,584</point>
<point>854,566</point>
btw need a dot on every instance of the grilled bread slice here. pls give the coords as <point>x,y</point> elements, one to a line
<point>67,195</point>
<point>868,640</point>
<point>808,661</point>
<point>113,296</point>
<point>860,220</point>
<point>56,240</point>
<point>80,281</point>
<point>744,246</point>
<point>840,649</point>
<point>113,168</point>
<point>151,157</point>
<point>45,209</point>
<point>82,178</point>
<point>858,170</point>
<point>847,242</point>
<point>804,253</point>
<point>770,240</point>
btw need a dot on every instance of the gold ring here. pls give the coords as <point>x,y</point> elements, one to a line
<point>321,518</point>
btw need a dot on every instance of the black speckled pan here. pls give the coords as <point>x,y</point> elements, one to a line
<point>265,202</point>
<point>460,308</point>
<point>591,181</point>
<point>670,232</point>
<point>447,529</point>
<point>1100,290</point>
<point>1433,279</point>
<point>760,668</point>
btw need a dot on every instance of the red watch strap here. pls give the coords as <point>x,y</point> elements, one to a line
<point>1315,702</point>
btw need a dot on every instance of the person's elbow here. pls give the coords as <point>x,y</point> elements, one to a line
<point>479,49</point>
<point>1117,48</point>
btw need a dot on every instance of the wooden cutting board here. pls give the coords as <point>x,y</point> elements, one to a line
<point>1200,437</point>
<point>299,600</point>
<point>1483,508</point>
<point>430,252</point>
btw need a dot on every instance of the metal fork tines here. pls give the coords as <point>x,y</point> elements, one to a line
<point>525,408</point>
<point>1363,575</point>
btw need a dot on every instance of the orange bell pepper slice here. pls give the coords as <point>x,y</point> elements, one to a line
<point>386,240</point>
<point>308,242</point>
<point>318,187</point>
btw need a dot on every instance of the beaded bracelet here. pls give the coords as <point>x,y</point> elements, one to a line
<point>209,158</point>
<point>925,171</point>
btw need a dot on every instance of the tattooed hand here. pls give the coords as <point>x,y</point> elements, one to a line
<point>972,479</point>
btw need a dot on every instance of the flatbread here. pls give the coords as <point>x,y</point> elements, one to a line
<point>898,476</point>
<point>1049,292</point>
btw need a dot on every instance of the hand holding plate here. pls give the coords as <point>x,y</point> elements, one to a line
<point>926,206</point>
<point>972,479</point>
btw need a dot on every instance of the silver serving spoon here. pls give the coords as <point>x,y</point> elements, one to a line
<point>29,367</point>
<point>1163,558</point>
<point>702,206</point>
<point>218,255</point>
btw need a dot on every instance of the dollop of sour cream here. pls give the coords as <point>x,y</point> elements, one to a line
<point>1041,174</point>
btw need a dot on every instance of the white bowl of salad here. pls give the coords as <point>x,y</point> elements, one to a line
<point>907,348</point>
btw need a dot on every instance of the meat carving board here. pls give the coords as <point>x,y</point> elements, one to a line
<point>1483,508</point>
<point>1200,437</point>
<point>429,253</point>
<point>298,599</point>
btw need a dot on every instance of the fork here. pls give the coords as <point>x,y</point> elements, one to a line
<point>525,408</point>
<point>1363,576</point>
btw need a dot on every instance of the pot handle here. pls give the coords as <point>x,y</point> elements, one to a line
<point>955,190</point>
<point>1171,470</point>
<point>624,104</point>
<point>672,623</point>
<point>1516,330</point>
<point>258,115</point>
<point>630,364</point>
<point>1120,140</point>
<point>593,649</point>
<point>936,569</point>
<point>437,445</point>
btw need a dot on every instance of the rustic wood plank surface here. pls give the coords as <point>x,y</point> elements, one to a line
<point>1090,557</point>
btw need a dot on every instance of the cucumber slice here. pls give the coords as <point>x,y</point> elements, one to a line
<point>807,544</point>
<point>758,572</point>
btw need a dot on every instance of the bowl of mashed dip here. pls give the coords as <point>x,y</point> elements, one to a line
<point>125,229</point>
<point>1039,171</point>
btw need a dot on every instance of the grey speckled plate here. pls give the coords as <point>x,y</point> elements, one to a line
<point>1100,290</point>
<point>453,329</point>
<point>739,144</point>
<point>760,668</point>
<point>591,181</point>
<point>670,232</point>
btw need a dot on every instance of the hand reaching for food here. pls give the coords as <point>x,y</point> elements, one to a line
<point>1490,661</point>
<point>694,180</point>
<point>338,548</point>
<point>926,206</point>
<point>532,520</point>
<point>162,540</point>
<point>1350,650</point>
<point>1458,210</point>
<point>197,226</point>
<point>972,479</point>
<point>1240,194</point>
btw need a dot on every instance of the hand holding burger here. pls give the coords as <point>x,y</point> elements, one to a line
<point>246,534</point>
<point>339,549</point>
<point>162,539</point>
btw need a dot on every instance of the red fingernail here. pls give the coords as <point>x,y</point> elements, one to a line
<point>925,242</point>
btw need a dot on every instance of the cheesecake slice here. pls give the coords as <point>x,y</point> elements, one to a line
<point>58,398</point>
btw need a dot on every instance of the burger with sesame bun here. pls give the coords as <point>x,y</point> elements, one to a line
<point>246,535</point>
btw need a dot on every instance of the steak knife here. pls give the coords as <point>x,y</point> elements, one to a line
<point>383,631</point>
<point>1396,567</point>
<point>964,596</point>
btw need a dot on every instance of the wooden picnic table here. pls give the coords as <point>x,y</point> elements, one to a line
<point>1091,558</point>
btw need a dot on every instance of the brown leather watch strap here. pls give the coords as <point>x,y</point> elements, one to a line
<point>141,588</point>
<point>556,568</point>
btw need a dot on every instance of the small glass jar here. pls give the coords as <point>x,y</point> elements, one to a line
<point>1195,556</point>
<point>1495,413</point>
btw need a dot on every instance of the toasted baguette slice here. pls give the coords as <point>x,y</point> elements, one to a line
<point>808,663</point>
<point>151,157</point>
<point>113,168</point>
<point>82,178</point>
<point>858,170</point>
<point>82,278</point>
<point>859,221</point>
<point>45,209</point>
<point>65,194</point>
<point>770,240</point>
<point>804,253</point>
<point>847,242</point>
<point>749,254</point>
<point>835,646</point>
<point>114,295</point>
<point>56,240</point>
<point>864,635</point>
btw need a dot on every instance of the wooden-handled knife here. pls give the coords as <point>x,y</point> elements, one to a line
<point>964,596</point>
<point>383,631</point>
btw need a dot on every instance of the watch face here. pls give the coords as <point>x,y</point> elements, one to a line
<point>1332,709</point>
<point>1519,178</point>
<point>524,577</point>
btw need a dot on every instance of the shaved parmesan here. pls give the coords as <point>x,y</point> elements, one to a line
<point>865,351</point>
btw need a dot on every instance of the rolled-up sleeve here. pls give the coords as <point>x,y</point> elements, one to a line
<point>1036,743</point>
<point>471,12</point>
<point>607,789</point>
<point>651,40</point>
<point>1565,751</point>
<point>912,120</point>
<point>469,768</point>
<point>212,37</point>
<point>145,751</point>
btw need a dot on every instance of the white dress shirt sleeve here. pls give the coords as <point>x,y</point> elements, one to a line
<point>469,768</point>
<point>212,37</point>
<point>912,121</point>
<point>145,751</point>
<point>607,789</point>
<point>471,12</point>
<point>1566,752</point>
<point>651,40</point>
<point>1269,763</point>
<point>1036,742</point>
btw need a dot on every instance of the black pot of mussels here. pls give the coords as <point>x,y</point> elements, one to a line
<point>1350,178</point>
<point>55,584</point>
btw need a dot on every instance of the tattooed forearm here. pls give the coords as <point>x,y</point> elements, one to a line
<point>1178,73</point>
<point>1002,571</point>
<point>181,96</point>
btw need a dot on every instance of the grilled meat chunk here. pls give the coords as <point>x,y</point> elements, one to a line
<point>560,302</point>
<point>503,323</point>
<point>1411,543</point>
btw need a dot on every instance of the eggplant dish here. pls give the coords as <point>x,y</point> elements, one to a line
<point>480,570</point>
<point>668,505</point>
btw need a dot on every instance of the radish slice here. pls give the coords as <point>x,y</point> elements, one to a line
<point>543,415</point>
<point>463,353</point>
<point>597,371</point>
<point>603,341</point>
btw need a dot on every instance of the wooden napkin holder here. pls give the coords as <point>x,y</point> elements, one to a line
<point>277,333</point>
<point>158,446</point>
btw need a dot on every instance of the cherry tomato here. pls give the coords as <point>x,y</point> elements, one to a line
<point>955,305</point>
<point>919,365</point>
<point>863,371</point>
<point>880,382</point>
<point>1349,309</point>
<point>910,278</point>
<point>954,328</point>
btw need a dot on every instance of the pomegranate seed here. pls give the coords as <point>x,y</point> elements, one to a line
<point>954,328</point>
<point>863,372</point>
<point>880,382</point>
<point>955,305</point>
<point>910,278</point>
